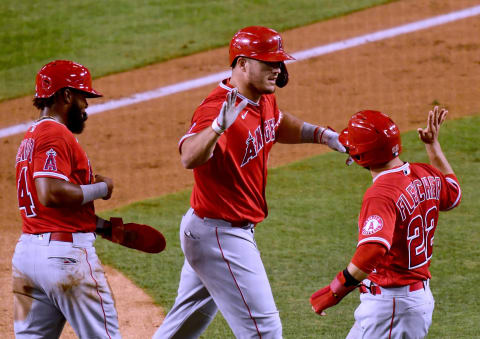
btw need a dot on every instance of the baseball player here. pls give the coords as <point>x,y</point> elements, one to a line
<point>57,275</point>
<point>227,146</point>
<point>396,225</point>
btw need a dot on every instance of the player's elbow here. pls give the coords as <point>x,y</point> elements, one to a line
<point>190,162</point>
<point>47,199</point>
<point>190,159</point>
<point>187,161</point>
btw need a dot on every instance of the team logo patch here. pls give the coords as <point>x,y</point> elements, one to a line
<point>51,162</point>
<point>373,224</point>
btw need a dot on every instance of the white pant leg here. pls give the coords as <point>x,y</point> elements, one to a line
<point>194,308</point>
<point>71,285</point>
<point>228,263</point>
<point>192,311</point>
<point>355,332</point>
<point>34,314</point>
<point>406,316</point>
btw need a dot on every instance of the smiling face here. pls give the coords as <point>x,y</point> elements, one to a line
<point>262,75</point>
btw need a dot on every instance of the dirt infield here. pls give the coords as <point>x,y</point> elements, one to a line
<point>137,145</point>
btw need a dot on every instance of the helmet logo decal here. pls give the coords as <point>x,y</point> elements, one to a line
<point>395,150</point>
<point>280,45</point>
<point>46,81</point>
<point>373,224</point>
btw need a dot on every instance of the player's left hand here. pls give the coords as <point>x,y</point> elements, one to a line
<point>330,138</point>
<point>331,294</point>
<point>429,135</point>
<point>322,299</point>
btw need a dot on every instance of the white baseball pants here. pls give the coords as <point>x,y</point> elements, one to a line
<point>395,313</point>
<point>223,269</point>
<point>54,281</point>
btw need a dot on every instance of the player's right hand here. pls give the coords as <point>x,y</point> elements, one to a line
<point>108,181</point>
<point>429,135</point>
<point>229,112</point>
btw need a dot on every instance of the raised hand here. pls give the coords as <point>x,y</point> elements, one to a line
<point>229,112</point>
<point>429,135</point>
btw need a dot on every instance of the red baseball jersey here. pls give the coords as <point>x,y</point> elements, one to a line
<point>400,211</point>
<point>231,184</point>
<point>50,150</point>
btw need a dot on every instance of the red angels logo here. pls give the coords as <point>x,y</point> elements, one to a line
<point>372,225</point>
<point>50,163</point>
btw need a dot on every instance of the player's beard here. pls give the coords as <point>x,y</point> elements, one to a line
<point>76,119</point>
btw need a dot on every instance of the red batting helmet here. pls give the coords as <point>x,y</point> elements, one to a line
<point>371,138</point>
<point>59,74</point>
<point>257,42</point>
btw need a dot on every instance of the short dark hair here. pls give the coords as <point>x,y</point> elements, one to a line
<point>41,103</point>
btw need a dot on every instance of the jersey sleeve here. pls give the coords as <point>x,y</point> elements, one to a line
<point>368,255</point>
<point>451,193</point>
<point>202,118</point>
<point>52,159</point>
<point>377,221</point>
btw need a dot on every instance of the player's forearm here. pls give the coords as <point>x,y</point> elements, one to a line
<point>356,273</point>
<point>290,129</point>
<point>58,193</point>
<point>197,149</point>
<point>437,158</point>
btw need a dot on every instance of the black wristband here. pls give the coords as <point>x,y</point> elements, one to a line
<point>349,280</point>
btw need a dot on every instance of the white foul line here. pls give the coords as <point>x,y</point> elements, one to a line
<point>302,55</point>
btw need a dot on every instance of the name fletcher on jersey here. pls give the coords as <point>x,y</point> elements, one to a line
<point>425,188</point>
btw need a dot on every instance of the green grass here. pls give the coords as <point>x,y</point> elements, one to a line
<point>110,36</point>
<point>311,233</point>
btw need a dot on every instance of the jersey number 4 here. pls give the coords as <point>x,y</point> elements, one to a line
<point>25,201</point>
<point>420,238</point>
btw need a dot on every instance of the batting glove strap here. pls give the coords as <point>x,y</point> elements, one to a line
<point>216,127</point>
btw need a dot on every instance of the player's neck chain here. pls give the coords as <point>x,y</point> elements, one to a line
<point>46,117</point>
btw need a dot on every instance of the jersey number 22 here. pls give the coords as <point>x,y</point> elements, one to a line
<point>420,238</point>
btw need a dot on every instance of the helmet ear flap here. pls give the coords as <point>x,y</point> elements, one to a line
<point>282,79</point>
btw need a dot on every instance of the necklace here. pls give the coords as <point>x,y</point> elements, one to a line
<point>45,117</point>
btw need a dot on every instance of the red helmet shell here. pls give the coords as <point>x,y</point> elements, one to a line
<point>63,73</point>
<point>372,138</point>
<point>260,43</point>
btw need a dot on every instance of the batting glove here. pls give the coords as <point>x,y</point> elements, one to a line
<point>331,294</point>
<point>229,112</point>
<point>330,138</point>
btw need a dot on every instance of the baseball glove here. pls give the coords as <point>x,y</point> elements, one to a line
<point>140,237</point>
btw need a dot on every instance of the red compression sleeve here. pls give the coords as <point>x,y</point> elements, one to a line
<point>367,256</point>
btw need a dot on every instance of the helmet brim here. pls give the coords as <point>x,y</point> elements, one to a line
<point>93,94</point>
<point>272,56</point>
